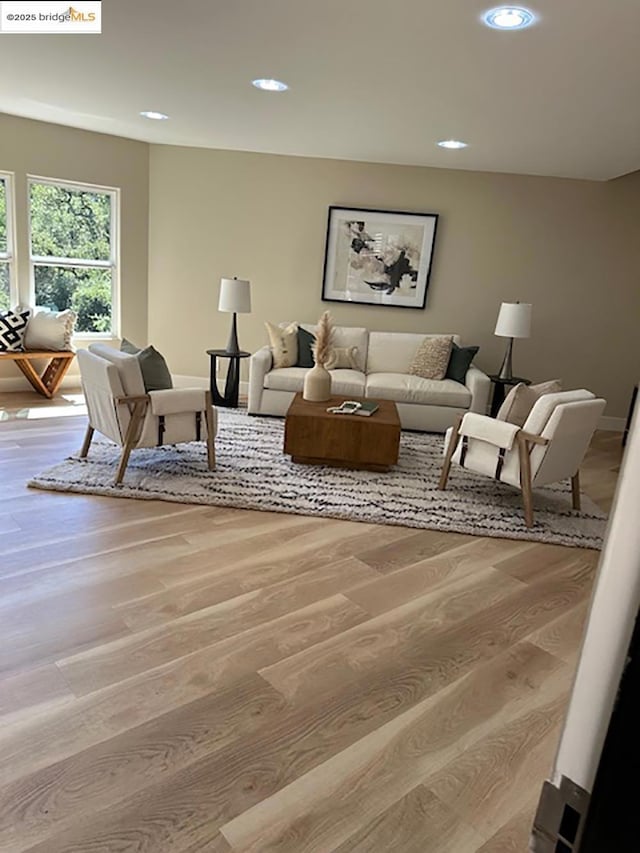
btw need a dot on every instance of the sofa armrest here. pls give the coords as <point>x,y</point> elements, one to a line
<point>260,364</point>
<point>479,385</point>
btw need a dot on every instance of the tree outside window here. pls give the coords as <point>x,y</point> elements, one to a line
<point>73,252</point>
<point>5,253</point>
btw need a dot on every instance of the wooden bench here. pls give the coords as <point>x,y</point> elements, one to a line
<point>48,382</point>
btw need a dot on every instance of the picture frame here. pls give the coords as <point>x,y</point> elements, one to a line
<point>378,257</point>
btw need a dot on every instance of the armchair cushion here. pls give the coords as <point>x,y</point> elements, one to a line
<point>522,398</point>
<point>175,401</point>
<point>155,372</point>
<point>128,367</point>
<point>546,405</point>
<point>483,428</point>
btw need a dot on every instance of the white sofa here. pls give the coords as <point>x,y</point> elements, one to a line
<point>427,405</point>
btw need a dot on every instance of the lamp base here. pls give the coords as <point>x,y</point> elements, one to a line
<point>506,370</point>
<point>232,343</point>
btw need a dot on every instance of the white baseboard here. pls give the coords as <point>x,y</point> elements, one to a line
<point>183,381</point>
<point>611,424</point>
<point>19,383</point>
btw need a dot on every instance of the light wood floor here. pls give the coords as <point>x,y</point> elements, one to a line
<point>177,678</point>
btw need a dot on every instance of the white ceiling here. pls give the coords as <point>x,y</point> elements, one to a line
<point>374,80</point>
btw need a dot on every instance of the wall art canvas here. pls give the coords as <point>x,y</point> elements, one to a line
<point>378,257</point>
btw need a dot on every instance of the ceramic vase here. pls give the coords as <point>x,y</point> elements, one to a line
<point>317,385</point>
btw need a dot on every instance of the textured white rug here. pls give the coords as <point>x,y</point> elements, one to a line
<point>253,473</point>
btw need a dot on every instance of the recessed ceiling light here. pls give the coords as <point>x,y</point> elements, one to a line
<point>154,115</point>
<point>452,143</point>
<point>509,18</point>
<point>270,85</point>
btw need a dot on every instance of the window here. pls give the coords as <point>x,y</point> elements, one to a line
<point>7,296</point>
<point>74,252</point>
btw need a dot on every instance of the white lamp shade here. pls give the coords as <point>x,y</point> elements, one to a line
<point>235,295</point>
<point>514,320</point>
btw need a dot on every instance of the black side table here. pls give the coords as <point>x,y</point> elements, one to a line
<point>232,385</point>
<point>500,390</point>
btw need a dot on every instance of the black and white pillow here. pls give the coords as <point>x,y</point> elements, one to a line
<point>13,325</point>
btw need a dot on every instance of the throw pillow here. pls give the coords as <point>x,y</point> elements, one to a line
<point>284,344</point>
<point>342,357</point>
<point>459,362</point>
<point>305,354</point>
<point>48,330</point>
<point>432,357</point>
<point>155,372</point>
<point>13,326</point>
<point>522,398</point>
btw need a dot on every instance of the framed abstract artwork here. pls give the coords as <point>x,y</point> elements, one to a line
<point>378,257</point>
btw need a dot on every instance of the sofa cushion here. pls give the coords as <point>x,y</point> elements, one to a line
<point>393,352</point>
<point>348,336</point>
<point>285,378</point>
<point>283,341</point>
<point>306,340</point>
<point>431,358</point>
<point>342,357</point>
<point>460,362</point>
<point>348,383</point>
<point>405,388</point>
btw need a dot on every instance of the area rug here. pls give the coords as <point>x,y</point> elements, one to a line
<point>253,473</point>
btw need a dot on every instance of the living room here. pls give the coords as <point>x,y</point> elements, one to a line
<point>274,643</point>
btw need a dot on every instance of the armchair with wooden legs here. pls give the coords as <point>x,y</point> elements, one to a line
<point>121,409</point>
<point>548,448</point>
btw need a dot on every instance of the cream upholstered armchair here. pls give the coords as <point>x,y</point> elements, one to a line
<point>548,448</point>
<point>120,408</point>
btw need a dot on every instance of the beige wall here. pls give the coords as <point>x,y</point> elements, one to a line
<point>556,243</point>
<point>53,151</point>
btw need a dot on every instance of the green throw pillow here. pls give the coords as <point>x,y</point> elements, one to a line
<point>155,373</point>
<point>305,342</point>
<point>459,362</point>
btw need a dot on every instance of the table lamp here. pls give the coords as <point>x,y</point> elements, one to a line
<point>514,321</point>
<point>235,298</point>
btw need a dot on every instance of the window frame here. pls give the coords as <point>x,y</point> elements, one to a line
<point>112,264</point>
<point>9,257</point>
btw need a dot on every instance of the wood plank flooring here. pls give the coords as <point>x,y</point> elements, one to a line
<point>178,678</point>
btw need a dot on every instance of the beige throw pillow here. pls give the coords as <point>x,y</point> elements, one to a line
<point>522,398</point>
<point>284,344</point>
<point>432,358</point>
<point>49,330</point>
<point>342,357</point>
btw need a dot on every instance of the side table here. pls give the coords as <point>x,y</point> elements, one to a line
<point>232,385</point>
<point>499,390</point>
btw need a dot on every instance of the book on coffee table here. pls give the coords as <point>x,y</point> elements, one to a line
<point>367,408</point>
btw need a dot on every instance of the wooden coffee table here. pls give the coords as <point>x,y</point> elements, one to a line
<point>313,436</point>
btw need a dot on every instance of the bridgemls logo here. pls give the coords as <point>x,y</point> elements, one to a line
<point>51,18</point>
